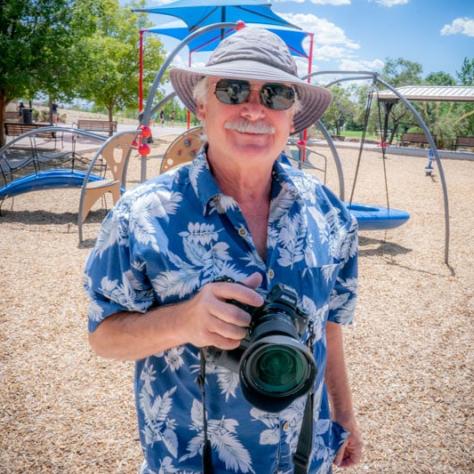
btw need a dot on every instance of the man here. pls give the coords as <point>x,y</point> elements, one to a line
<point>235,212</point>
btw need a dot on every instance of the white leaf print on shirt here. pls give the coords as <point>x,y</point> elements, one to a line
<point>223,437</point>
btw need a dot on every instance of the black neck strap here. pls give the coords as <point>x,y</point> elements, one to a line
<point>207,449</point>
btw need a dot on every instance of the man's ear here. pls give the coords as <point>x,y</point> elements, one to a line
<point>201,112</point>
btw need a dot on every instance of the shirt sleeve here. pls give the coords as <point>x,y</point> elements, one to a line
<point>342,300</point>
<point>115,278</point>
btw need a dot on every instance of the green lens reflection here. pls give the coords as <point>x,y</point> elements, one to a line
<point>278,369</point>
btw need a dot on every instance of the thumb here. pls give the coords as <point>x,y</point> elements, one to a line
<point>253,281</point>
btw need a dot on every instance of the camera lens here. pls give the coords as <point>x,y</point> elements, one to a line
<point>275,371</point>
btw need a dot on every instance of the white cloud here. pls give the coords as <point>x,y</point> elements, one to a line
<point>360,65</point>
<point>462,26</point>
<point>328,53</point>
<point>390,3</point>
<point>335,3</point>
<point>325,32</point>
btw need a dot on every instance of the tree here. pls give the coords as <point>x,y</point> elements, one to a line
<point>35,37</point>
<point>466,74</point>
<point>440,78</point>
<point>110,78</point>
<point>402,72</point>
<point>340,111</point>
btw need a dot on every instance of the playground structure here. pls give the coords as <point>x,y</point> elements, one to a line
<point>33,161</point>
<point>369,216</point>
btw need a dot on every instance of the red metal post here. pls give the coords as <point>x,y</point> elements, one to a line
<point>140,73</point>
<point>188,113</point>
<point>310,66</point>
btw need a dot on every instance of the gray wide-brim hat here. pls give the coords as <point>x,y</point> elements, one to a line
<point>259,55</point>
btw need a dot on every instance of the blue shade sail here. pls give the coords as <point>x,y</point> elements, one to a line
<point>201,13</point>
<point>209,41</point>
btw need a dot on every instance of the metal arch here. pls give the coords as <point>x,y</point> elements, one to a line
<point>145,120</point>
<point>162,102</point>
<point>158,106</point>
<point>74,131</point>
<point>375,76</point>
<point>89,172</point>
<point>335,155</point>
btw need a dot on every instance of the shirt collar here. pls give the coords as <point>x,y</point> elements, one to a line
<point>203,182</point>
<point>206,188</point>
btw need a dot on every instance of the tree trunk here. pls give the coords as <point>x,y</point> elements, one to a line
<point>3,105</point>
<point>50,109</point>
<point>110,109</point>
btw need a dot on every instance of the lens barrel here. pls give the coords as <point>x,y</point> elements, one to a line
<point>274,371</point>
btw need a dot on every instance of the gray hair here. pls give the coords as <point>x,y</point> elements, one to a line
<point>202,87</point>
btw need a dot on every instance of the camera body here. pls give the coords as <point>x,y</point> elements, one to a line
<point>273,365</point>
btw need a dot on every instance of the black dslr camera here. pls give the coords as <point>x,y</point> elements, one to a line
<point>274,367</point>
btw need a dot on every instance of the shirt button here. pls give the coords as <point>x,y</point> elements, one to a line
<point>242,232</point>
<point>286,426</point>
<point>271,274</point>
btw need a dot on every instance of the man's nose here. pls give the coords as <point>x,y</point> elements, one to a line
<point>253,109</point>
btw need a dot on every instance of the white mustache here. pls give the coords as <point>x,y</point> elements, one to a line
<point>245,126</point>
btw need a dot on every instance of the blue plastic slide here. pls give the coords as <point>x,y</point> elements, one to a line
<point>56,178</point>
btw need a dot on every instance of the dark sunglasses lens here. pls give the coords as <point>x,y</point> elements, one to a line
<point>277,96</point>
<point>230,91</point>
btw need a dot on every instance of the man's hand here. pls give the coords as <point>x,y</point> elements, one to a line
<point>350,452</point>
<point>209,320</point>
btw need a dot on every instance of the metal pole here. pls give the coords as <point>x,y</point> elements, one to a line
<point>140,73</point>
<point>302,150</point>
<point>335,155</point>
<point>188,113</point>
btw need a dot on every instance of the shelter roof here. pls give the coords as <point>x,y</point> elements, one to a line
<point>432,93</point>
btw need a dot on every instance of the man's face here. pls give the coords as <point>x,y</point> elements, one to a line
<point>247,132</point>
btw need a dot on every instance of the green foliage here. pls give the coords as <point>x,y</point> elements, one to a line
<point>341,111</point>
<point>38,48</point>
<point>440,78</point>
<point>402,72</point>
<point>466,74</point>
<point>110,78</point>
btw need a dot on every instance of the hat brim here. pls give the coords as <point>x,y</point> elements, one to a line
<point>314,100</point>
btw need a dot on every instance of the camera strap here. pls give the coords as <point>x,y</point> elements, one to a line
<point>305,440</point>
<point>207,449</point>
<point>304,447</point>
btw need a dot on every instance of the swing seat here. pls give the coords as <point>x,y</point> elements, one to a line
<point>377,217</point>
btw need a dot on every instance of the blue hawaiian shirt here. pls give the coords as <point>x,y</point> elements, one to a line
<point>170,236</point>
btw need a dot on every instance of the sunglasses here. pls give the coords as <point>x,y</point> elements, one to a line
<point>274,96</point>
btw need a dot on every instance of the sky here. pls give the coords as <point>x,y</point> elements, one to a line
<point>362,34</point>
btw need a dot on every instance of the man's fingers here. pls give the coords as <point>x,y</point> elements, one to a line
<point>340,454</point>
<point>230,313</point>
<point>222,342</point>
<point>253,281</point>
<point>240,293</point>
<point>226,330</point>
